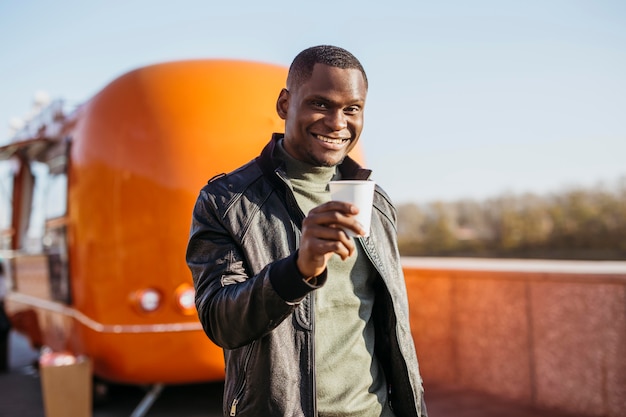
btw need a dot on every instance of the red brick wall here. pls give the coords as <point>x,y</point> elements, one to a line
<point>549,334</point>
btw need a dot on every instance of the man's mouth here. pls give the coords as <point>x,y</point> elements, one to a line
<point>333,141</point>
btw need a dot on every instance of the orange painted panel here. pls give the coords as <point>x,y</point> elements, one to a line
<point>142,149</point>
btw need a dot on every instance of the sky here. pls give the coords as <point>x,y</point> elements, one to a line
<point>467,99</point>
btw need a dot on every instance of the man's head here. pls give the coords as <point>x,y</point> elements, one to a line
<point>323,105</point>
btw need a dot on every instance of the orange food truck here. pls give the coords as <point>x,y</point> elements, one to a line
<point>96,207</point>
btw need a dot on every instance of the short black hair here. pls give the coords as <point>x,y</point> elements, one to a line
<point>301,68</point>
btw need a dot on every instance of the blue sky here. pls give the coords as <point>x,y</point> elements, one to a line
<point>468,99</point>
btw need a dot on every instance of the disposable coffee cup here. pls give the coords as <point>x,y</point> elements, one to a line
<point>359,193</point>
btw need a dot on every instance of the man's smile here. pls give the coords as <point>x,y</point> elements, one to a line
<point>333,141</point>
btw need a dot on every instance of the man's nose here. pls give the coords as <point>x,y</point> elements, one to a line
<point>337,120</point>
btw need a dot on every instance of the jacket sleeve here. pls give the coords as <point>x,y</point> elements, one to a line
<point>234,306</point>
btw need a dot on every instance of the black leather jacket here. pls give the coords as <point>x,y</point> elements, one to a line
<point>253,302</point>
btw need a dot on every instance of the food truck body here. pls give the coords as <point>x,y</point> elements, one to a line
<point>96,207</point>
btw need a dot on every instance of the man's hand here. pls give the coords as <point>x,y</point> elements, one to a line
<point>322,235</point>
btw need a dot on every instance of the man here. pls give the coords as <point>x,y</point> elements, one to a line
<point>312,322</point>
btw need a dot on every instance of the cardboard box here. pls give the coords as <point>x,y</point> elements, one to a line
<point>66,384</point>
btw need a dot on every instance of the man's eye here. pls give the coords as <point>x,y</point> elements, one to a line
<point>319,104</point>
<point>352,109</point>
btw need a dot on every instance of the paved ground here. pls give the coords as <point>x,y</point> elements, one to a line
<point>20,396</point>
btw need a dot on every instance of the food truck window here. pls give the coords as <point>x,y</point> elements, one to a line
<point>55,231</point>
<point>56,196</point>
<point>47,231</point>
<point>49,202</point>
<point>36,221</point>
<point>33,209</point>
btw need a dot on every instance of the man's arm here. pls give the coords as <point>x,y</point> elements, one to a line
<point>234,305</point>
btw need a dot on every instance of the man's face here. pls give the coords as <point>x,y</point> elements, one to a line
<point>324,116</point>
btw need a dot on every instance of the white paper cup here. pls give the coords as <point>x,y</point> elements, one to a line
<point>359,193</point>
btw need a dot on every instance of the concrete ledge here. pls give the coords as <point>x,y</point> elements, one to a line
<point>550,334</point>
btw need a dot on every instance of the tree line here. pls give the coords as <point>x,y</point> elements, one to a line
<point>577,223</point>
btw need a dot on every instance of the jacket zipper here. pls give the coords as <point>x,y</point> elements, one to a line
<point>233,407</point>
<point>242,381</point>
<point>312,344</point>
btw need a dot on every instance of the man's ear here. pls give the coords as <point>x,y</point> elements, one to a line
<point>282,104</point>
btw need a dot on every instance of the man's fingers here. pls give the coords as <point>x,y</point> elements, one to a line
<point>334,220</point>
<point>324,239</point>
<point>336,206</point>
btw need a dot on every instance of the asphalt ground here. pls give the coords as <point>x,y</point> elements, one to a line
<point>21,396</point>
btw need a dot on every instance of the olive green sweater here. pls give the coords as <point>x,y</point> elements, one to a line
<point>349,379</point>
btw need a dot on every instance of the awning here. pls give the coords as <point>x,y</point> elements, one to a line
<point>31,149</point>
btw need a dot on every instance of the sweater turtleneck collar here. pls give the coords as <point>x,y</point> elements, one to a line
<point>302,171</point>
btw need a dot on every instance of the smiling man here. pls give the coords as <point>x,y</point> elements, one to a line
<point>312,322</point>
<point>324,115</point>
